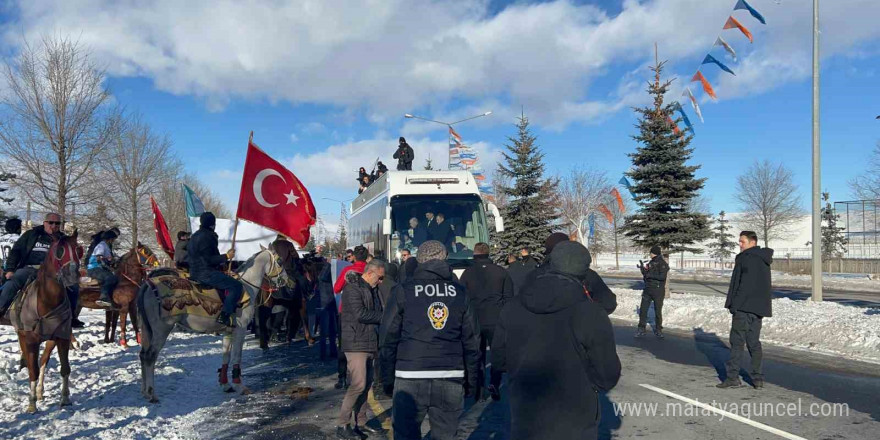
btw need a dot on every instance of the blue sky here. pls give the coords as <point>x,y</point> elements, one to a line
<point>324,85</point>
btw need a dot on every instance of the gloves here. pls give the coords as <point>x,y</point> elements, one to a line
<point>388,389</point>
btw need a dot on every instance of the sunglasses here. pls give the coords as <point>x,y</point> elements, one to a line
<point>54,223</point>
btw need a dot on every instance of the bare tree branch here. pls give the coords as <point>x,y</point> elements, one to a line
<point>580,194</point>
<point>769,198</point>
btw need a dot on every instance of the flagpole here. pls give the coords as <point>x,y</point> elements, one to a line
<point>817,173</point>
<point>235,227</point>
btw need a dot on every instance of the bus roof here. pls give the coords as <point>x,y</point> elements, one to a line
<point>427,182</point>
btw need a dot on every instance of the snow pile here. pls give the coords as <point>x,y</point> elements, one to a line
<point>828,328</point>
<point>106,388</point>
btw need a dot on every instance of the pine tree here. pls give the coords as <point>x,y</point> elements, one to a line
<point>310,245</point>
<point>663,184</point>
<point>722,247</point>
<point>530,212</point>
<point>341,243</point>
<point>428,165</point>
<point>833,241</point>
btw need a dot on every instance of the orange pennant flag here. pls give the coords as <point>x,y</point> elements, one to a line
<point>732,23</point>
<point>706,86</point>
<point>607,212</point>
<point>616,194</point>
<point>674,127</point>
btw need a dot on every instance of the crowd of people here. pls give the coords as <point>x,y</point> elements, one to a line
<point>404,155</point>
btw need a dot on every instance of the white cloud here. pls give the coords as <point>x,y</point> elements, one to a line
<point>384,58</point>
<point>293,137</point>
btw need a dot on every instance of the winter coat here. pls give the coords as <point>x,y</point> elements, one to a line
<point>750,284</point>
<point>519,271</point>
<point>419,235</point>
<point>360,317</point>
<point>203,254</point>
<point>600,292</point>
<point>21,251</point>
<point>654,275</point>
<point>405,156</point>
<point>325,286</point>
<point>489,287</point>
<point>408,269</point>
<point>441,232</point>
<point>180,254</point>
<point>428,331</point>
<point>558,349</point>
<point>357,266</point>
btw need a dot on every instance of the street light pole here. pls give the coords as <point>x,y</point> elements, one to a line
<point>448,125</point>
<point>817,204</point>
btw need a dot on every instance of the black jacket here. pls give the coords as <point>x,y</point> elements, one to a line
<point>405,156</point>
<point>360,316</point>
<point>519,271</point>
<point>600,292</point>
<point>558,349</point>
<point>203,254</point>
<point>180,254</point>
<point>325,286</point>
<point>408,269</point>
<point>419,235</point>
<point>21,250</point>
<point>654,275</point>
<point>489,287</point>
<point>428,329</point>
<point>750,284</point>
<point>441,232</point>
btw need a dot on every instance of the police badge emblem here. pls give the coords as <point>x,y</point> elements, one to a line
<point>438,313</point>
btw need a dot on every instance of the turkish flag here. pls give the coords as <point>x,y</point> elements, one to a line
<point>273,197</point>
<point>162,235</point>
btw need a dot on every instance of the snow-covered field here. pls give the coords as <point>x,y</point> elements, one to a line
<point>828,328</point>
<point>105,389</point>
<point>848,282</point>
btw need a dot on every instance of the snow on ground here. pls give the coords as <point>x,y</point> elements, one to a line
<point>828,328</point>
<point>105,389</point>
<point>847,282</point>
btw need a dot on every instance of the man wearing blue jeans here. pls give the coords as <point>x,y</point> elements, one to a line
<point>205,259</point>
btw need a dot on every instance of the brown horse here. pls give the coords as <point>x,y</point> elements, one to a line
<point>43,314</point>
<point>131,273</point>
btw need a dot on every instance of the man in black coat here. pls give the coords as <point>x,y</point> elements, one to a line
<point>489,287</point>
<point>404,155</point>
<point>205,260</point>
<point>441,230</point>
<point>360,341</point>
<point>749,301</point>
<point>428,348</point>
<point>409,266</point>
<point>558,349</point>
<point>26,256</point>
<point>520,269</point>
<point>654,275</point>
<point>180,250</point>
<point>417,233</point>
<point>328,316</point>
<point>595,286</point>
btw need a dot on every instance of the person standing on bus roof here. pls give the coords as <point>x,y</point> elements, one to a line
<point>404,155</point>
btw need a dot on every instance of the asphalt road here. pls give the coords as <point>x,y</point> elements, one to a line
<point>686,364</point>
<point>861,299</point>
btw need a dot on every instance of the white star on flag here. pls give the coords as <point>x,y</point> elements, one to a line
<point>291,198</point>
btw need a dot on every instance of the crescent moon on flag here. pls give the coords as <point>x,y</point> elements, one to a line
<point>258,186</point>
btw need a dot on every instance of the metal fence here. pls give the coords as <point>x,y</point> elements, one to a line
<point>860,220</point>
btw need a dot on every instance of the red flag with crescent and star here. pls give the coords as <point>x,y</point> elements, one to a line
<point>273,197</point>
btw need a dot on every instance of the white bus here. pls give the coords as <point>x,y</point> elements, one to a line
<point>381,215</point>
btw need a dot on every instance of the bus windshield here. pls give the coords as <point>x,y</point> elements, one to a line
<point>458,221</point>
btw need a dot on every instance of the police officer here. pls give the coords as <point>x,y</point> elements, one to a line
<point>428,348</point>
<point>654,275</point>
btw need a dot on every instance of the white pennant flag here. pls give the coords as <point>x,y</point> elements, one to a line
<point>720,42</point>
<point>690,95</point>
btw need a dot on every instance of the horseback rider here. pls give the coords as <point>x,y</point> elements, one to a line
<point>99,268</point>
<point>26,257</point>
<point>204,258</point>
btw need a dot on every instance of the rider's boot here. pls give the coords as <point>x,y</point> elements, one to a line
<point>224,379</point>
<point>104,301</point>
<point>226,319</point>
<point>236,374</point>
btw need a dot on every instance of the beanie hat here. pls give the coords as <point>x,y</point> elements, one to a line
<point>207,220</point>
<point>571,258</point>
<point>431,250</point>
<point>402,140</point>
<point>656,250</point>
<point>554,239</point>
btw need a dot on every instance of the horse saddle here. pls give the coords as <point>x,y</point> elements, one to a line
<point>88,282</point>
<point>24,315</point>
<point>179,295</point>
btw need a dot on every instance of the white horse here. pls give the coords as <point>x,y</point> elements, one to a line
<point>156,328</point>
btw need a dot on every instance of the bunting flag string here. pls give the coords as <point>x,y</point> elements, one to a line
<point>591,220</point>
<point>620,206</point>
<point>690,95</point>
<point>706,86</point>
<point>742,4</point>
<point>711,60</point>
<point>732,23</point>
<point>675,128</point>
<point>684,117</point>
<point>625,182</point>
<point>607,213</point>
<point>720,42</point>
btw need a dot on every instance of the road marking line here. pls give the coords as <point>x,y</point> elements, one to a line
<point>718,411</point>
<point>377,409</point>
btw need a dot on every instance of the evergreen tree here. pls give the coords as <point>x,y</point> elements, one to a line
<point>341,243</point>
<point>428,165</point>
<point>723,244</point>
<point>663,184</point>
<point>310,245</point>
<point>530,212</point>
<point>833,241</point>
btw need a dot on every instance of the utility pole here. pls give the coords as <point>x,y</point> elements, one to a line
<point>817,204</point>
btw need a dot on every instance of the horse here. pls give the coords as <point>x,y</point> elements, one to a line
<point>42,313</point>
<point>131,273</point>
<point>157,323</point>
